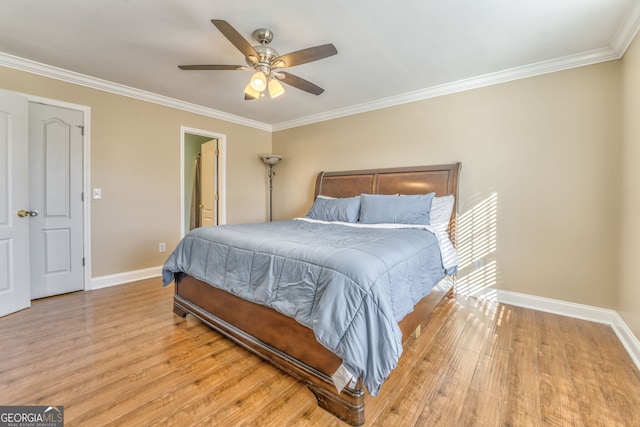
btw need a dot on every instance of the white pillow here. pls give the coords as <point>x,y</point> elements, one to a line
<point>441,209</point>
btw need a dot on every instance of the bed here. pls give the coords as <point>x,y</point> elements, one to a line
<point>296,337</point>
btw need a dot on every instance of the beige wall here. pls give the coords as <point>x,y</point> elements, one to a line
<point>629,292</point>
<point>135,159</point>
<point>540,175</point>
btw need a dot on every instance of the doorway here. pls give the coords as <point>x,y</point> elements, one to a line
<point>192,142</point>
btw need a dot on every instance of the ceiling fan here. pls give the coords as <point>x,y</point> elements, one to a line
<point>266,62</point>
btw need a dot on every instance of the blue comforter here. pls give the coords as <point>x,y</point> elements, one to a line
<point>350,285</point>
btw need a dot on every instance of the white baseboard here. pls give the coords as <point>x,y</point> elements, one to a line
<point>126,277</point>
<point>569,309</point>
<point>627,338</point>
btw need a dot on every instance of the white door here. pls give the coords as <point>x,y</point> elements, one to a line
<point>208,183</point>
<point>14,196</point>
<point>56,229</point>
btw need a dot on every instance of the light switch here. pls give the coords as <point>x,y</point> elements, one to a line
<point>97,193</point>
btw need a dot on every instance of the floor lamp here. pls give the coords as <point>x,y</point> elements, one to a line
<point>270,160</point>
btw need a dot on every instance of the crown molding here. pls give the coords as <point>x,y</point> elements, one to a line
<point>627,31</point>
<point>621,42</point>
<point>45,70</point>
<point>544,67</point>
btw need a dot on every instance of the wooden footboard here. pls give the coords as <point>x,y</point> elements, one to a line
<point>284,342</point>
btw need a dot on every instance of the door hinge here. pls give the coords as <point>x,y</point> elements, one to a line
<point>217,152</point>
<point>82,196</point>
<point>81,130</point>
<point>83,261</point>
<point>216,197</point>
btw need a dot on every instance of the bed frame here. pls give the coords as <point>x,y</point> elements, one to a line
<point>286,343</point>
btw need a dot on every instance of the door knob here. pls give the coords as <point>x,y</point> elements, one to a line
<point>22,213</point>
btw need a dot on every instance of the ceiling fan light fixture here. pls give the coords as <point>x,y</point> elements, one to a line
<point>250,93</point>
<point>258,81</point>
<point>275,88</point>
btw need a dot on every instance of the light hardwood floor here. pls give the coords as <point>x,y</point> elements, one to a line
<point>119,356</point>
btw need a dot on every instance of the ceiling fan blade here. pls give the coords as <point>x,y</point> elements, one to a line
<point>306,55</point>
<point>301,84</point>
<point>234,37</point>
<point>212,67</point>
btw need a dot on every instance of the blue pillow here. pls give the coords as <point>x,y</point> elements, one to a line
<point>344,209</point>
<point>394,209</point>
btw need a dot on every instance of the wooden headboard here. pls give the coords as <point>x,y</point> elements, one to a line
<point>439,179</point>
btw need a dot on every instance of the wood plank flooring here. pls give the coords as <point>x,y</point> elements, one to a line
<point>119,356</point>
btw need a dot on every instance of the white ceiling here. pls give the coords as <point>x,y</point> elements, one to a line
<point>389,52</point>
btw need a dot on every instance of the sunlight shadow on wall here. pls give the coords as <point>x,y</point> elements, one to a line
<point>477,244</point>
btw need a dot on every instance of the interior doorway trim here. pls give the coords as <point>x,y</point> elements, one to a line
<point>86,176</point>
<point>222,172</point>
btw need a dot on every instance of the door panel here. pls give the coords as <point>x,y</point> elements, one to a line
<point>55,158</point>
<point>58,251</point>
<point>14,230</point>
<point>208,184</point>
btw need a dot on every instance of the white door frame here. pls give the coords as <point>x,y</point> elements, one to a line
<point>86,175</point>
<point>222,171</point>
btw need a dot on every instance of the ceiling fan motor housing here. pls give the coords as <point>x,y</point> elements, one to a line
<point>263,35</point>
<point>264,60</point>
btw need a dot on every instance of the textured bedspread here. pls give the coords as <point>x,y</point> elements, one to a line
<point>351,285</point>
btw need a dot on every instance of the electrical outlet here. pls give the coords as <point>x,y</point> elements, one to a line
<point>162,247</point>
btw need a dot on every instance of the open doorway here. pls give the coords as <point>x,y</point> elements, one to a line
<point>191,143</point>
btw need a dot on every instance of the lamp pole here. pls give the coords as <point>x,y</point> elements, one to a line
<point>270,160</point>
<point>270,192</point>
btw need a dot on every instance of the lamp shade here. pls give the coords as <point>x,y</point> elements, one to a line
<point>250,93</point>
<point>275,88</point>
<point>258,81</point>
<point>271,159</point>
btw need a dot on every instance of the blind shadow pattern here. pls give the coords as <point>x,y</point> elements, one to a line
<point>477,244</point>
